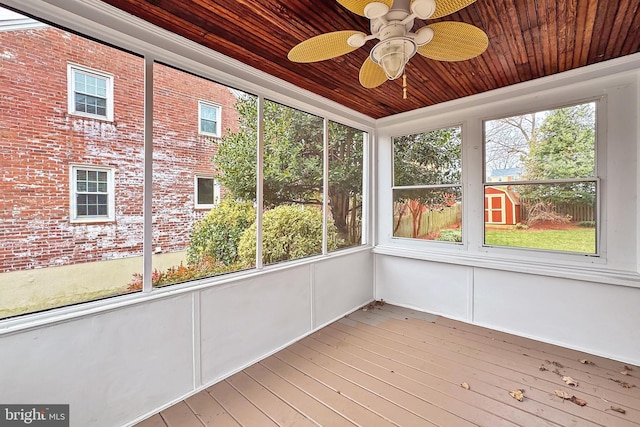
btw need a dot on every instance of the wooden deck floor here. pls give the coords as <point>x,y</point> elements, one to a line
<point>392,366</point>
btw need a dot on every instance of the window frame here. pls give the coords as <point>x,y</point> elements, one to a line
<point>218,108</point>
<point>459,185</point>
<point>216,192</point>
<point>73,193</point>
<point>596,179</point>
<point>72,69</point>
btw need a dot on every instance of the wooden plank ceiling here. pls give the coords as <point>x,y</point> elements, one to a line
<point>528,39</point>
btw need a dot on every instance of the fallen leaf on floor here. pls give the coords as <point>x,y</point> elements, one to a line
<point>570,381</point>
<point>627,368</point>
<point>586,362</point>
<point>548,362</point>
<point>517,394</point>
<point>379,302</point>
<point>563,394</point>
<point>542,368</point>
<point>556,371</point>
<point>558,364</point>
<point>624,372</point>
<point>578,401</point>
<point>465,386</point>
<point>617,409</point>
<point>368,307</point>
<point>623,384</point>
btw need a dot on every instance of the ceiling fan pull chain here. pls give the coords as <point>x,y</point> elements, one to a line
<point>404,86</point>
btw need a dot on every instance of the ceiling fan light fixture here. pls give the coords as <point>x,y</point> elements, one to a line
<point>392,55</point>
<point>423,36</point>
<point>375,10</point>
<point>423,9</point>
<point>357,40</point>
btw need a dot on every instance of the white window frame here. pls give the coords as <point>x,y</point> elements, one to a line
<point>216,192</point>
<point>218,108</point>
<point>71,105</point>
<point>460,185</point>
<point>111,197</point>
<point>598,253</point>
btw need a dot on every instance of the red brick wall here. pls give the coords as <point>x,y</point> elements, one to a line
<point>39,140</point>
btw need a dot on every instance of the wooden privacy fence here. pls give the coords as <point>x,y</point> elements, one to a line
<point>577,211</point>
<point>431,221</point>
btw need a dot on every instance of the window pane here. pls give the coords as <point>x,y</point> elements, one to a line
<point>545,146</point>
<point>553,144</point>
<point>428,213</point>
<point>208,112</point>
<point>345,183</point>
<point>292,222</point>
<point>191,243</point>
<point>560,217</point>
<point>428,158</point>
<point>205,191</point>
<point>47,251</point>
<point>208,126</point>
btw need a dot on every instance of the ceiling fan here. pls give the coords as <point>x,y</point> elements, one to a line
<point>392,24</point>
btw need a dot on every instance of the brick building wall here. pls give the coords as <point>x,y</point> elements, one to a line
<point>40,140</point>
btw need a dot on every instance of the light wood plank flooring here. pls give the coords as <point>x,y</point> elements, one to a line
<point>385,365</point>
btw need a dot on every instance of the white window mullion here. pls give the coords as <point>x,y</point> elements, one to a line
<point>148,176</point>
<point>325,184</point>
<point>259,186</point>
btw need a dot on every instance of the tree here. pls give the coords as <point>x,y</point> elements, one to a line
<point>565,149</point>
<point>293,161</point>
<point>429,158</point>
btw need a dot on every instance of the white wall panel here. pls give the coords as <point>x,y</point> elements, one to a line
<point>110,367</point>
<point>601,319</point>
<point>340,284</point>
<point>428,286</point>
<point>243,321</point>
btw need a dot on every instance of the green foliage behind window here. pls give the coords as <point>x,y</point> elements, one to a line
<point>217,235</point>
<point>289,232</point>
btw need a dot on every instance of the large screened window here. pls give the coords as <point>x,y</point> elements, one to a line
<point>292,186</point>
<point>346,146</point>
<point>201,206</point>
<point>427,187</point>
<point>72,187</point>
<point>541,186</point>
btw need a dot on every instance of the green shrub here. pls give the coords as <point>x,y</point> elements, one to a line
<point>587,224</point>
<point>288,232</point>
<point>450,235</point>
<point>217,235</point>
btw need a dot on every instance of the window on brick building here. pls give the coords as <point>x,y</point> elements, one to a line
<point>90,92</point>
<point>207,192</point>
<point>209,119</point>
<point>92,194</point>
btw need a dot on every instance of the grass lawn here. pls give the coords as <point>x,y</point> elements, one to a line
<point>571,239</point>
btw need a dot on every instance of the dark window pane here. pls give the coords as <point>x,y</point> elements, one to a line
<point>205,191</point>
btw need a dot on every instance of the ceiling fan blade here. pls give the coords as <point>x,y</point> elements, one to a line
<point>454,41</point>
<point>447,7</point>
<point>371,74</point>
<point>357,6</point>
<point>324,46</point>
